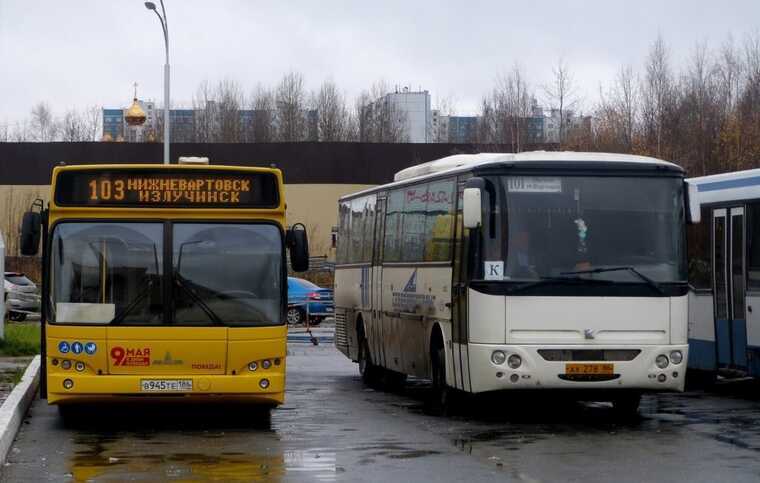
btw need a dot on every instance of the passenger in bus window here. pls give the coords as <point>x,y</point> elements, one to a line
<point>522,263</point>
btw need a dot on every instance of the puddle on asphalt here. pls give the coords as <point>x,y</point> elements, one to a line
<point>116,459</point>
<point>223,448</point>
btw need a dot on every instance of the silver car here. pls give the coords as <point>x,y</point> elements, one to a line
<point>21,296</point>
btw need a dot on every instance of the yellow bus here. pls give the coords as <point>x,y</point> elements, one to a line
<point>164,280</point>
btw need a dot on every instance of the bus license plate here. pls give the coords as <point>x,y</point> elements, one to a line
<point>589,368</point>
<point>166,385</point>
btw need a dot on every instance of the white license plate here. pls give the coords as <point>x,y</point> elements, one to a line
<point>329,309</point>
<point>166,385</point>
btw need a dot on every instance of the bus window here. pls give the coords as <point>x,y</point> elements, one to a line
<point>213,267</point>
<point>415,202</point>
<point>100,269</point>
<point>439,216</point>
<point>700,268</point>
<point>344,239</point>
<point>356,230</point>
<point>753,243</point>
<point>369,228</point>
<point>392,248</point>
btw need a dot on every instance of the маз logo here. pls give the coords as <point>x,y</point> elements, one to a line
<point>411,285</point>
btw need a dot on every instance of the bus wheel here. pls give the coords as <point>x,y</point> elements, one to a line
<point>370,373</point>
<point>443,397</point>
<point>295,316</point>
<point>627,407</point>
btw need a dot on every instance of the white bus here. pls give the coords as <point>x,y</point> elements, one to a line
<point>538,270</point>
<point>724,266</point>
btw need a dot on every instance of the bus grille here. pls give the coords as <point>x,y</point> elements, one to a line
<point>611,355</point>
<point>341,338</point>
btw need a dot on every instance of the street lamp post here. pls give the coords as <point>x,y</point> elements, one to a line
<point>165,28</point>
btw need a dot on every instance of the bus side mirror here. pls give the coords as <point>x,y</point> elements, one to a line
<point>298,244</point>
<point>693,208</point>
<point>472,211</point>
<point>31,229</point>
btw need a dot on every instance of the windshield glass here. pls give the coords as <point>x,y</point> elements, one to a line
<point>227,273</point>
<point>17,279</point>
<point>101,270</point>
<point>554,225</point>
<point>113,273</point>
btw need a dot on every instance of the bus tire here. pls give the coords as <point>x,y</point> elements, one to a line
<point>627,406</point>
<point>370,373</point>
<point>443,401</point>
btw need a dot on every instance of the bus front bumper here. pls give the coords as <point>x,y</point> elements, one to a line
<point>535,372</point>
<point>87,387</point>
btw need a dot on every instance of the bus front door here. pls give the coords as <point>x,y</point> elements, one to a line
<point>728,280</point>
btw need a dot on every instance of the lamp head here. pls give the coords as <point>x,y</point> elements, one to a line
<point>150,5</point>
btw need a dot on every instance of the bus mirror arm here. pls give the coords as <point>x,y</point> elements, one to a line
<point>31,229</point>
<point>297,242</point>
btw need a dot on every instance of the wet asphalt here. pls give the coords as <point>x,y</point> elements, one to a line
<point>332,428</point>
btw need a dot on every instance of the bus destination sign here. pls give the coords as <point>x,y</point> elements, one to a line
<point>171,188</point>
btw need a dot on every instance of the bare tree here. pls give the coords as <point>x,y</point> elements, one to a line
<point>262,104</point>
<point>617,111</point>
<point>290,102</point>
<point>562,95</point>
<point>486,130</point>
<point>446,107</point>
<point>43,127</point>
<point>229,100</point>
<point>73,127</point>
<point>332,113</point>
<point>657,93</point>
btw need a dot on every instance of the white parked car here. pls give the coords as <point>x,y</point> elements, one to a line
<point>21,296</point>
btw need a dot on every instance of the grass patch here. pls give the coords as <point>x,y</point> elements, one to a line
<point>21,340</point>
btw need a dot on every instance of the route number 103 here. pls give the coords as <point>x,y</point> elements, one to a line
<point>106,190</point>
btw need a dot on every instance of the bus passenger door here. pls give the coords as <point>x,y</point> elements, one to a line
<point>728,273</point>
<point>376,283</point>
<point>459,366</point>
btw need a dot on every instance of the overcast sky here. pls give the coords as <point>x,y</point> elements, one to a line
<point>77,53</point>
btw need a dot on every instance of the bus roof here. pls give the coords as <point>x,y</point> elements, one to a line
<point>468,161</point>
<point>739,185</point>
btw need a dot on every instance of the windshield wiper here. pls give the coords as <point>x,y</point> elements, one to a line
<point>557,280</point>
<point>140,296</point>
<point>643,277</point>
<point>180,281</point>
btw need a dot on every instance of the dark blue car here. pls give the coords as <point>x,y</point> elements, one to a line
<point>303,295</point>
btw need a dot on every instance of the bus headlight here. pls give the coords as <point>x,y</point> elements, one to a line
<point>66,364</point>
<point>266,363</point>
<point>498,357</point>
<point>514,361</point>
<point>252,366</point>
<point>68,383</point>
<point>79,366</point>
<point>676,357</point>
<point>662,361</point>
<point>264,383</point>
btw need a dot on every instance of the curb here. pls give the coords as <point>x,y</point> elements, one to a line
<point>14,408</point>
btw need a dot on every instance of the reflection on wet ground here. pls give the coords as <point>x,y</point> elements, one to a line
<point>333,428</point>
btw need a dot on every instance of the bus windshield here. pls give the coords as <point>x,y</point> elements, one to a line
<point>620,229</point>
<point>114,273</point>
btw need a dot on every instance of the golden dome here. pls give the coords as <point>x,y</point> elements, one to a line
<point>135,116</point>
